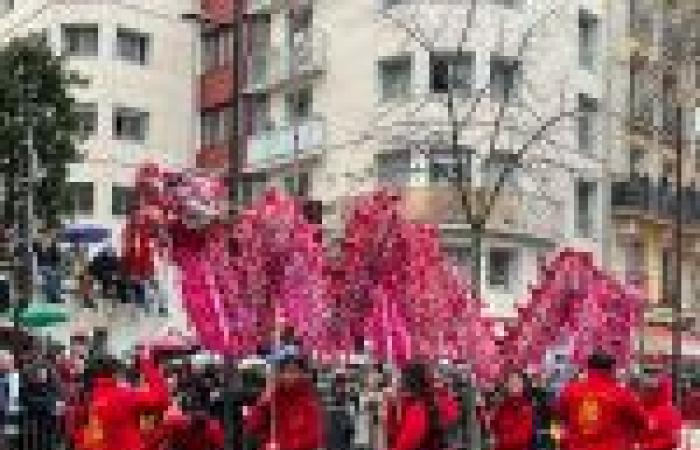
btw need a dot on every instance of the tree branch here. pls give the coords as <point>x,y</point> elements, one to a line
<point>517,160</point>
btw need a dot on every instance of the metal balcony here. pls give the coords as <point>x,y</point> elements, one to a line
<point>277,146</point>
<point>304,57</point>
<point>656,200</point>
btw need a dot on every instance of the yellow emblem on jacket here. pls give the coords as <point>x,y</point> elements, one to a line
<point>589,415</point>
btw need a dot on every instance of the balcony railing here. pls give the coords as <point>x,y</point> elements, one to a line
<point>658,199</point>
<point>277,146</point>
<point>305,56</point>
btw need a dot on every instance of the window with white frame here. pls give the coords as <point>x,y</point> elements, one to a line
<point>130,124</point>
<point>87,119</point>
<point>586,195</point>
<point>448,68</point>
<point>218,47</point>
<point>299,105</point>
<point>133,46</point>
<point>395,78</point>
<point>81,40</point>
<point>123,198</point>
<point>217,127</point>
<point>260,47</point>
<point>261,120</point>
<point>588,29</point>
<point>505,76</point>
<point>587,122</point>
<point>502,267</point>
<point>82,196</point>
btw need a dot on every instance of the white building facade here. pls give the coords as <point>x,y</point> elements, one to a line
<point>349,95</point>
<point>139,59</point>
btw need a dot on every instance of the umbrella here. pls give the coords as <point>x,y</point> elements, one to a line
<point>39,314</point>
<point>85,234</point>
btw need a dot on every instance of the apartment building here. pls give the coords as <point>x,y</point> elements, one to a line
<point>340,97</point>
<point>661,124</point>
<point>139,105</point>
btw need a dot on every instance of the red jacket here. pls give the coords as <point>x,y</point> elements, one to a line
<point>115,412</point>
<point>189,435</point>
<point>599,414</point>
<point>512,424</point>
<point>296,415</point>
<point>407,421</point>
<point>665,420</point>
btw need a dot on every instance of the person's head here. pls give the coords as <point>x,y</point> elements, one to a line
<point>601,362</point>
<point>515,384</point>
<point>291,371</point>
<point>416,379</point>
<point>104,367</point>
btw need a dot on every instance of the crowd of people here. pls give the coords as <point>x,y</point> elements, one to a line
<point>86,400</point>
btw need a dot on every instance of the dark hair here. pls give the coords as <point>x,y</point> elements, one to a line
<point>602,361</point>
<point>417,384</point>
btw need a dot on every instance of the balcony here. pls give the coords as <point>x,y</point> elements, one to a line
<point>655,200</point>
<point>219,12</point>
<point>305,57</point>
<point>269,6</point>
<point>213,157</point>
<point>217,87</point>
<point>277,147</point>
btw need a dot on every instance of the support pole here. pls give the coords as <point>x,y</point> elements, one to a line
<point>676,342</point>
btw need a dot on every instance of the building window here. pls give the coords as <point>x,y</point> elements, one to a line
<point>260,47</point>
<point>586,192</point>
<point>81,40</point>
<point>300,106</point>
<point>218,48</point>
<point>505,74</point>
<point>587,109</point>
<point>217,127</point>
<point>260,114</point>
<point>636,161</point>
<point>87,119</point>
<point>588,28</point>
<point>446,167</point>
<point>394,167</point>
<point>130,124</point>
<point>642,102</point>
<point>133,46</point>
<point>6,6</point>
<point>501,267</point>
<point>82,196</point>
<point>123,198</point>
<point>395,78</point>
<point>446,68</point>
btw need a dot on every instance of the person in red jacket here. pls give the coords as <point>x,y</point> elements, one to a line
<point>419,417</point>
<point>597,413</point>
<point>513,419</point>
<point>287,415</point>
<point>665,422</point>
<point>115,410</point>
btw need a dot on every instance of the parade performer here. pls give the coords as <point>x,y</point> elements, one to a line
<point>115,410</point>
<point>513,419</point>
<point>596,412</point>
<point>420,416</point>
<point>665,420</point>
<point>288,414</point>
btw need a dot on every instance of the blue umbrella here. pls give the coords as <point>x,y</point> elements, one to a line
<point>85,234</point>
